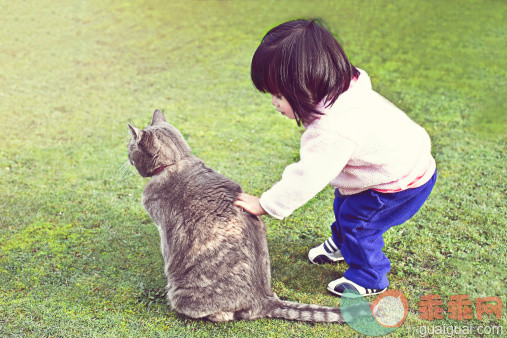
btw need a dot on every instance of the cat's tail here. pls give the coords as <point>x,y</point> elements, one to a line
<point>311,313</point>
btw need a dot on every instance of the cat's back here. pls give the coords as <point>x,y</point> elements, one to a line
<point>193,190</point>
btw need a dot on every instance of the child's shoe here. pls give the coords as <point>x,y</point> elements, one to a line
<point>340,285</point>
<point>327,252</point>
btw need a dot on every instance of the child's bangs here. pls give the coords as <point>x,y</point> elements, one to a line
<point>264,72</point>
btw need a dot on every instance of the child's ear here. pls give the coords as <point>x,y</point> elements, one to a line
<point>136,133</point>
<point>158,117</point>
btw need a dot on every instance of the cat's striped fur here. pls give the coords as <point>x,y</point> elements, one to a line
<point>216,255</point>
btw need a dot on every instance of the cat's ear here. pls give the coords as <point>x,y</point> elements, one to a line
<point>158,117</point>
<point>136,133</point>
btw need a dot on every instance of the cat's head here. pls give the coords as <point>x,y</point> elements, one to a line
<point>160,144</point>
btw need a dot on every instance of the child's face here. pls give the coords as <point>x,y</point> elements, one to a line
<point>282,106</point>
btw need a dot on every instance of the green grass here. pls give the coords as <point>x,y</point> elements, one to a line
<point>78,254</point>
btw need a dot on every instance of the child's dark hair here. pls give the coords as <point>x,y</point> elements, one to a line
<point>303,61</point>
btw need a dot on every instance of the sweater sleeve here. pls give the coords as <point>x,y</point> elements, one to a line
<point>323,155</point>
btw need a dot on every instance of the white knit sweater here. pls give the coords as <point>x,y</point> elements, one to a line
<point>362,142</point>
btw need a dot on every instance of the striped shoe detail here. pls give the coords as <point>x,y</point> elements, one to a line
<point>329,246</point>
<point>327,252</point>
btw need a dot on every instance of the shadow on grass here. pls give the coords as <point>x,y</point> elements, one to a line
<point>291,269</point>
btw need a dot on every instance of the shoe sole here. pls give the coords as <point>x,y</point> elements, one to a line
<point>354,295</point>
<point>323,259</point>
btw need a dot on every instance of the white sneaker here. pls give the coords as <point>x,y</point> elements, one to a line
<point>347,288</point>
<point>327,252</point>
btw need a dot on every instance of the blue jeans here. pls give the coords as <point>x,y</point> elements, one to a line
<point>361,221</point>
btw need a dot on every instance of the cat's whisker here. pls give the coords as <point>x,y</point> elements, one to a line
<point>126,172</point>
<point>123,171</point>
<point>123,166</point>
<point>120,171</point>
<point>121,175</point>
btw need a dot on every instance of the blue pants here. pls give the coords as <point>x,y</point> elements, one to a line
<point>361,221</point>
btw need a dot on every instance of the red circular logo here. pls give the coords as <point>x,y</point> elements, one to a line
<point>390,308</point>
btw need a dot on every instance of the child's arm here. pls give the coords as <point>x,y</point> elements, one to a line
<point>250,203</point>
<point>323,155</point>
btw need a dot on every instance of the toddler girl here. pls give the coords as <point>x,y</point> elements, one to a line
<point>376,157</point>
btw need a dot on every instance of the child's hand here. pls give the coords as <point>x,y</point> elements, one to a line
<point>250,203</point>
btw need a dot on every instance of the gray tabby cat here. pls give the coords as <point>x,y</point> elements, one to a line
<point>216,256</point>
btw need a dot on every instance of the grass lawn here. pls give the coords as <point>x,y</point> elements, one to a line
<point>80,256</point>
